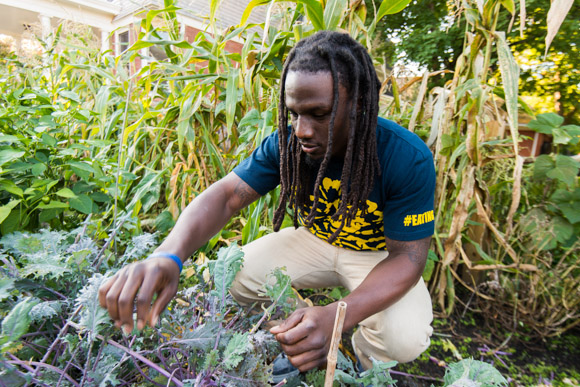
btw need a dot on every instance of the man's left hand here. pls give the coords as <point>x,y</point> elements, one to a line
<point>305,336</point>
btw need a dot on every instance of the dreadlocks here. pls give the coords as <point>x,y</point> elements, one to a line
<point>350,64</point>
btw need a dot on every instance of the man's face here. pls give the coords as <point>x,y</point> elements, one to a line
<point>309,99</point>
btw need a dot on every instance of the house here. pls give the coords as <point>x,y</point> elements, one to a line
<point>115,22</point>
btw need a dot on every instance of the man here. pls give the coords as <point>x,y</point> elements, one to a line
<point>360,190</point>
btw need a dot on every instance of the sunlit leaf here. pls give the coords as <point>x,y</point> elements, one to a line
<point>389,7</point>
<point>333,13</point>
<point>251,5</point>
<point>509,5</point>
<point>314,12</point>
<point>545,123</point>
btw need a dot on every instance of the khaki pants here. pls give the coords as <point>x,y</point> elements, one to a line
<point>401,332</point>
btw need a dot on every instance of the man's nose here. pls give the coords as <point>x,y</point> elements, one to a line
<point>303,128</point>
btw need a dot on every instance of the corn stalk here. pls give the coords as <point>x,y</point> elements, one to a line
<point>465,144</point>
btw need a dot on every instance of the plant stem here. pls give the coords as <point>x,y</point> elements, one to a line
<point>44,365</point>
<point>135,355</point>
<point>415,376</point>
<point>61,333</point>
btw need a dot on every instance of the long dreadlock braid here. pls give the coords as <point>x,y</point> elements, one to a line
<point>350,64</point>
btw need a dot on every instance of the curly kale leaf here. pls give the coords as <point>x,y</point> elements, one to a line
<point>92,314</point>
<point>225,268</point>
<point>279,290</point>
<point>469,372</point>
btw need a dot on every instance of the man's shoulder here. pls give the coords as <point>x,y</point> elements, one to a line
<point>393,139</point>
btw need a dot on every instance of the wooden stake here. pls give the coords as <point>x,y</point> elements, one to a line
<point>336,336</point>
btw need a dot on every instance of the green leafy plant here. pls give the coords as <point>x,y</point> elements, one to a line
<point>473,373</point>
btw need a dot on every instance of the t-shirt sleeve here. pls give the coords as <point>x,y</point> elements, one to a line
<point>408,212</point>
<point>261,170</point>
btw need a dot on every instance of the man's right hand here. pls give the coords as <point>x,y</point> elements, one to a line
<point>138,283</point>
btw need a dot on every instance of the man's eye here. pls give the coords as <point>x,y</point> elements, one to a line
<point>293,115</point>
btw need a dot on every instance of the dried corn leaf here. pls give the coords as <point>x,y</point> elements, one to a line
<point>556,15</point>
<point>419,101</point>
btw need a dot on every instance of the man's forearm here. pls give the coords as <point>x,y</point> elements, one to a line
<point>206,215</point>
<point>386,283</point>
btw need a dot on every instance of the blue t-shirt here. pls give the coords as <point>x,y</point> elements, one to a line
<point>400,205</point>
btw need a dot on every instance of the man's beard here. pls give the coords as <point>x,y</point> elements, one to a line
<point>312,164</point>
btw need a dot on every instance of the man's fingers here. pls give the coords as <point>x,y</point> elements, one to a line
<point>293,320</point>
<point>104,289</point>
<point>112,296</point>
<point>298,332</point>
<point>127,299</point>
<point>308,360</point>
<point>163,298</point>
<point>145,297</point>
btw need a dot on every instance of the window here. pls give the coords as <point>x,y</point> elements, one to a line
<point>123,41</point>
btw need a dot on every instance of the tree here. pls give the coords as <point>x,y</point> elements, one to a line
<point>429,35</point>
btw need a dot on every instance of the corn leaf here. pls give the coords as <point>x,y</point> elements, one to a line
<point>253,4</point>
<point>556,15</point>
<point>213,8</point>
<point>232,97</point>
<point>314,12</point>
<point>509,5</point>
<point>510,73</point>
<point>333,13</point>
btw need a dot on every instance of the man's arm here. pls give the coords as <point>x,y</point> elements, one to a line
<point>305,336</point>
<point>207,214</point>
<point>140,281</point>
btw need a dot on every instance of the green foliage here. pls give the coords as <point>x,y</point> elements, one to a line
<point>92,316</point>
<point>16,323</point>
<point>551,124</point>
<point>225,268</point>
<point>237,347</point>
<point>472,373</point>
<point>220,348</point>
<point>279,289</point>
<point>378,375</point>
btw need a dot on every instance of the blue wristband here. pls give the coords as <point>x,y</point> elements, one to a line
<point>173,257</point>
